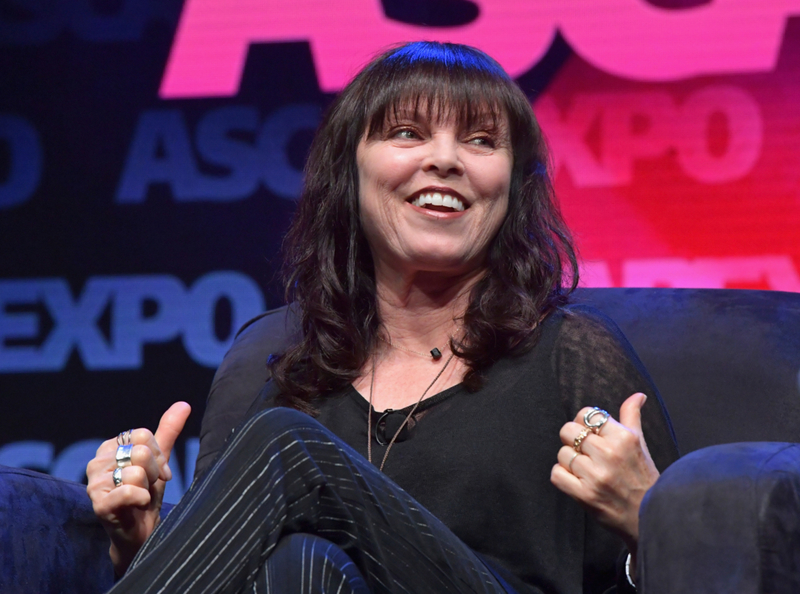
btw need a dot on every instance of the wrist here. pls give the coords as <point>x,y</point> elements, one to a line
<point>118,560</point>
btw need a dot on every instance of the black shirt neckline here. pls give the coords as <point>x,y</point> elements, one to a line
<point>363,403</point>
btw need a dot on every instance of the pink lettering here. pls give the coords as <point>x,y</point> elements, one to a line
<point>636,40</point>
<point>628,38</point>
<point>776,272</point>
<point>210,47</point>
<point>567,139</point>
<point>595,274</point>
<point>743,125</point>
<point>641,125</point>
<point>634,126</point>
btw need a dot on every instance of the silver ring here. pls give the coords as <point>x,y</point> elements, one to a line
<point>123,455</point>
<point>571,460</point>
<point>595,427</point>
<point>124,438</point>
<point>117,477</point>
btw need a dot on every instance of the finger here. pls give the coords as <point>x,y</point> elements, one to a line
<point>108,446</point>
<point>135,476</point>
<point>143,457</point>
<point>580,418</point>
<point>170,426</point>
<point>568,458</point>
<point>102,462</point>
<point>120,499</point>
<point>569,431</point>
<point>144,452</point>
<point>581,414</point>
<point>630,413</point>
<point>566,482</point>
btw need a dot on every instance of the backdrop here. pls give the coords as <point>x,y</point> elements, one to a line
<point>151,150</point>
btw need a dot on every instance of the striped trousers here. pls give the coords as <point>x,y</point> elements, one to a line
<point>288,508</point>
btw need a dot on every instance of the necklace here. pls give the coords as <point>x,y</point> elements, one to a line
<point>435,353</point>
<point>405,422</point>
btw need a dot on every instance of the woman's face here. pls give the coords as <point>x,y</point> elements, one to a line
<point>433,194</point>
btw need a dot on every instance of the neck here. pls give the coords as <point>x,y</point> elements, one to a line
<point>420,311</point>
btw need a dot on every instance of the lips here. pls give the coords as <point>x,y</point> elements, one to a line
<point>442,200</point>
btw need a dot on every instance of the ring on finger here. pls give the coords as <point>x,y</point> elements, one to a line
<point>571,460</point>
<point>123,455</point>
<point>124,438</point>
<point>595,426</point>
<point>117,476</point>
<point>581,436</point>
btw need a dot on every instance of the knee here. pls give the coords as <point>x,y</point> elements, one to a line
<point>277,421</point>
<point>306,562</point>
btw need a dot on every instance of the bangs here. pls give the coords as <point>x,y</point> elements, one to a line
<point>440,81</point>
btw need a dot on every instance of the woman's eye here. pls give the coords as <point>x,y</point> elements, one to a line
<point>482,141</point>
<point>406,133</point>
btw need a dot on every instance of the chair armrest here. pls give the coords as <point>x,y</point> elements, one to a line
<point>724,519</point>
<point>50,539</point>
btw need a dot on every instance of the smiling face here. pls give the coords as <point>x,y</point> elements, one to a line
<point>433,191</point>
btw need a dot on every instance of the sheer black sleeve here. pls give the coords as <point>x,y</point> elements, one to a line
<point>596,366</point>
<point>241,377</point>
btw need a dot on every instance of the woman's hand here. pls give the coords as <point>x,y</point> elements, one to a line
<point>612,472</point>
<point>129,513</point>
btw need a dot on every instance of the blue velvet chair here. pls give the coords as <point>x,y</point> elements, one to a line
<point>724,519</point>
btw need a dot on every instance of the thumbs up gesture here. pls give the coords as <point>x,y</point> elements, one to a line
<point>129,507</point>
<point>610,470</point>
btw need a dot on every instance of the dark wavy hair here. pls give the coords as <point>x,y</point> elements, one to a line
<point>329,270</point>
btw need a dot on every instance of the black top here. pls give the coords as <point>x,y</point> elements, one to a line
<point>481,461</point>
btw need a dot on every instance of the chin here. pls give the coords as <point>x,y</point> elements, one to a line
<point>446,264</point>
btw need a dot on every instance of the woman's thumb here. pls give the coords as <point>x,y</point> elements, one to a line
<point>630,413</point>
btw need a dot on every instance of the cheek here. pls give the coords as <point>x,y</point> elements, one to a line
<point>492,177</point>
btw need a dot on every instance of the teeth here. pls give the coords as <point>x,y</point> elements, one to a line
<point>437,199</point>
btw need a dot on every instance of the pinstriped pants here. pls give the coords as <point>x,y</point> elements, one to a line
<point>289,508</point>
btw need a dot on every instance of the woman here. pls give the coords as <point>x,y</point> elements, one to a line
<point>425,265</point>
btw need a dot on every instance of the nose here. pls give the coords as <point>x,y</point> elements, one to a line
<point>443,158</point>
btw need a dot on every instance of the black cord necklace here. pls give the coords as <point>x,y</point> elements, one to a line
<point>435,353</point>
<point>408,417</point>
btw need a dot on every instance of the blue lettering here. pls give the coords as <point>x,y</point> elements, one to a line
<point>36,455</point>
<point>199,338</point>
<point>75,325</point>
<point>20,325</point>
<point>159,131</point>
<point>179,313</point>
<point>217,148</point>
<point>130,330</point>
<point>161,152</point>
<point>71,463</point>
<point>279,175</point>
<point>53,354</point>
<point>26,160</point>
